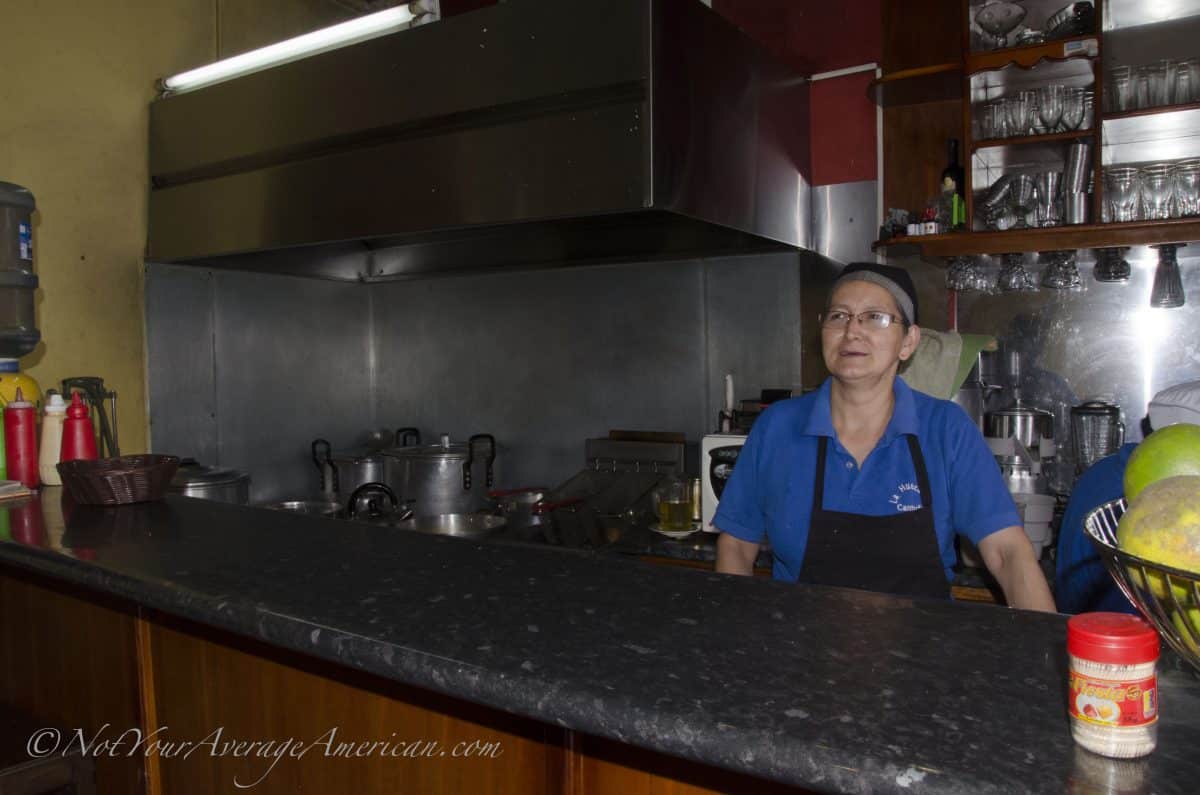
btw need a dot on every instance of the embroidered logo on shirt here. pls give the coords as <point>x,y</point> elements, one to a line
<point>907,497</point>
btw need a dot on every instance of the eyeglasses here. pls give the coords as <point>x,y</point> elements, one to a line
<point>873,320</point>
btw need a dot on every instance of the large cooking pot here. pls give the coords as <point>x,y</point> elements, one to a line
<point>443,478</point>
<point>1020,421</point>
<point>193,479</point>
<point>345,473</point>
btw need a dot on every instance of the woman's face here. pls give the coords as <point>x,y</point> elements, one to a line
<point>858,352</point>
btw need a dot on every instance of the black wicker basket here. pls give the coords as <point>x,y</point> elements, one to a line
<point>118,481</point>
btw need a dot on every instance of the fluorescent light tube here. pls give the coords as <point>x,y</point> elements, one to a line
<point>356,30</point>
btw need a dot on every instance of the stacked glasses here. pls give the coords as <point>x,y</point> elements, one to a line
<point>1154,85</point>
<point>1049,109</point>
<point>1152,192</point>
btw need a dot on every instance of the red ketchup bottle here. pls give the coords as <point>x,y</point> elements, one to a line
<point>79,436</point>
<point>20,441</point>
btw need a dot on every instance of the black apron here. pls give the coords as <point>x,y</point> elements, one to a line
<point>893,554</point>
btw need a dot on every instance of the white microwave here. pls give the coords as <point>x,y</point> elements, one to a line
<point>718,454</point>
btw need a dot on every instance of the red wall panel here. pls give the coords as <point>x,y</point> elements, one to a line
<point>816,36</point>
<point>812,35</point>
<point>843,130</point>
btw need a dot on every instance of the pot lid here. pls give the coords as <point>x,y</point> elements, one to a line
<point>356,457</point>
<point>444,450</point>
<point>192,473</point>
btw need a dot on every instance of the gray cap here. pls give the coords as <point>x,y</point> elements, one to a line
<point>895,280</point>
<point>1176,404</point>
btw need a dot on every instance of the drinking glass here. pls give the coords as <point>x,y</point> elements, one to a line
<point>965,274</point>
<point>1187,187</point>
<point>1111,265</point>
<point>1072,114</point>
<point>1017,114</point>
<point>1182,87</point>
<point>1062,273</point>
<point>1050,101</point>
<point>1121,189</point>
<point>1013,276</point>
<point>1157,187</point>
<point>999,19</point>
<point>991,121</point>
<point>1121,95</point>
<point>1193,65</point>
<point>1151,83</point>
<point>1047,186</point>
<point>1023,196</point>
<point>1167,292</point>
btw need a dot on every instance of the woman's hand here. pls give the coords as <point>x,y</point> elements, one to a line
<point>1009,557</point>
<point>735,556</point>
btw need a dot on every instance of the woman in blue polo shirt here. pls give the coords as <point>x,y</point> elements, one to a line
<point>864,483</point>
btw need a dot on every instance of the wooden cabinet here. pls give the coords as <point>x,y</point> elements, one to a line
<point>199,699</point>
<point>938,78</point>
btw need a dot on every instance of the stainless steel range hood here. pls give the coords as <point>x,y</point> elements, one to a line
<point>529,133</point>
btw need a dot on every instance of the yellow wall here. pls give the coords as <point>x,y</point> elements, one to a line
<point>78,80</point>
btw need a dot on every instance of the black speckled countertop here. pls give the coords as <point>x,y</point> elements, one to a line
<point>835,690</point>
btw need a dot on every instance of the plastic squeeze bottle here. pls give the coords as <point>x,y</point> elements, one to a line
<point>79,437</point>
<point>51,446</point>
<point>20,441</point>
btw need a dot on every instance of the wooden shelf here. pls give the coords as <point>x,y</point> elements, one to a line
<point>1028,56</point>
<point>1161,109</point>
<point>915,86</point>
<point>1137,233</point>
<point>1026,140</point>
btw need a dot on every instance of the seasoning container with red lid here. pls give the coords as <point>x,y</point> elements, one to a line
<point>1113,684</point>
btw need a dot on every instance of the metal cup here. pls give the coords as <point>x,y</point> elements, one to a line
<point>1075,175</point>
<point>1075,208</point>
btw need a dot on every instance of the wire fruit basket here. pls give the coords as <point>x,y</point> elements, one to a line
<point>118,481</point>
<point>1168,597</point>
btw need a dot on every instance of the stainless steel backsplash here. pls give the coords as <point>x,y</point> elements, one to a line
<point>246,369</point>
<point>1101,340</point>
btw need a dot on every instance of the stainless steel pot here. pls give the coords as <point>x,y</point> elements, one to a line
<point>193,479</point>
<point>346,473</point>
<point>1025,423</point>
<point>464,525</point>
<point>443,478</point>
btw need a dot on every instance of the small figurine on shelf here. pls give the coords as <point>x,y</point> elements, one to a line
<point>895,224</point>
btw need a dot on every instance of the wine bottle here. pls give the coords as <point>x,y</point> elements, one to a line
<point>953,177</point>
<point>954,182</point>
